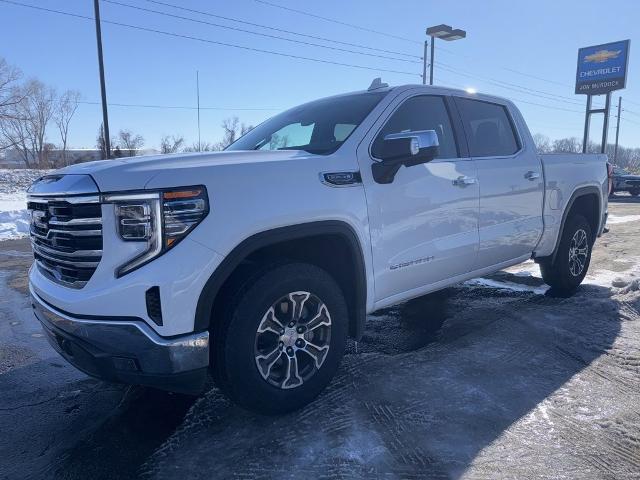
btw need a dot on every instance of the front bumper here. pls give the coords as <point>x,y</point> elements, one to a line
<point>126,351</point>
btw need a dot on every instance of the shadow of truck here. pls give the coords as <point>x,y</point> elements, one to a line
<point>421,413</point>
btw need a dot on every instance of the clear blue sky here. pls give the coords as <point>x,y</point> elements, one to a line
<point>538,38</point>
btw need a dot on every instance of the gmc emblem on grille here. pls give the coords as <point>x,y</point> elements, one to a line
<point>39,219</point>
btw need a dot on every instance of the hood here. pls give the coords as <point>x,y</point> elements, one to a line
<point>134,173</point>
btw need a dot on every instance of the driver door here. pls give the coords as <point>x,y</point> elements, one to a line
<point>424,225</point>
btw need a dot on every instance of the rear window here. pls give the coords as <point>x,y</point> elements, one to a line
<point>488,127</point>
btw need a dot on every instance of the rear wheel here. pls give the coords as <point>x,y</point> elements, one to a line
<point>572,259</point>
<point>282,338</point>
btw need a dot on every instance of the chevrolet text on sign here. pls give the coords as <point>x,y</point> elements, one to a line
<point>602,68</point>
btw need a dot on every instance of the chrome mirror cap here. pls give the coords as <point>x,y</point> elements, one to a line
<point>419,139</point>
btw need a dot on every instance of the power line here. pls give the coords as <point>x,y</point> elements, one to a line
<point>547,106</point>
<point>180,107</point>
<point>282,30</point>
<point>332,20</point>
<point>269,52</point>
<point>277,37</point>
<point>624,119</point>
<point>507,69</point>
<point>518,100</point>
<point>406,39</point>
<point>213,42</point>
<point>510,86</point>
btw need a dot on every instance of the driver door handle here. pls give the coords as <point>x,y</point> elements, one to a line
<point>531,175</point>
<point>464,181</point>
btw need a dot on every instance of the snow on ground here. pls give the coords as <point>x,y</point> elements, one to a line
<point>513,385</point>
<point>627,279</point>
<point>14,218</point>
<point>616,219</point>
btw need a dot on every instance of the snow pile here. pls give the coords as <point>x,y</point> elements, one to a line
<point>14,218</point>
<point>505,285</point>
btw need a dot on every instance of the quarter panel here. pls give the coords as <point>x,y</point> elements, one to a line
<point>566,174</point>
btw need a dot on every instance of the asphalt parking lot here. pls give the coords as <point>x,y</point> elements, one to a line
<point>515,384</point>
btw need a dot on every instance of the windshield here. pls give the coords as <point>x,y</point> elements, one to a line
<point>318,127</point>
<point>620,171</point>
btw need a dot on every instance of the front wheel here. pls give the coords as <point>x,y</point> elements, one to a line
<point>572,259</point>
<point>282,338</point>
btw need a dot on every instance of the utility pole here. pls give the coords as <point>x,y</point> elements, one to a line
<point>605,127</point>
<point>198,100</point>
<point>615,149</point>
<point>424,63</point>
<point>103,88</point>
<point>431,62</point>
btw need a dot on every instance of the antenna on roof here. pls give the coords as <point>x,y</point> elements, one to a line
<point>376,84</point>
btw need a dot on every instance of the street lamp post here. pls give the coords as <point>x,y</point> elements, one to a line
<point>443,32</point>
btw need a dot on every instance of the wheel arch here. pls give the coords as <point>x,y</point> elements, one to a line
<point>352,277</point>
<point>581,201</point>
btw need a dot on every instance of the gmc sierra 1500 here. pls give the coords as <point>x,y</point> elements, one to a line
<point>257,262</point>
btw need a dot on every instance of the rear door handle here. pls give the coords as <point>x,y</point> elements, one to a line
<point>464,181</point>
<point>531,175</point>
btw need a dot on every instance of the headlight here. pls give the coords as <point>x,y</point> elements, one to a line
<point>160,219</point>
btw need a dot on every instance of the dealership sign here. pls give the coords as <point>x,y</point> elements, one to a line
<point>602,68</point>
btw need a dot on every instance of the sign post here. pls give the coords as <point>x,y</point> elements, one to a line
<point>601,70</point>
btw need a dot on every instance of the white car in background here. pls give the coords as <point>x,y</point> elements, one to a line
<point>257,262</point>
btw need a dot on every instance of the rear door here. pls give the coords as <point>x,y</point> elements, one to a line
<point>511,182</point>
<point>424,225</point>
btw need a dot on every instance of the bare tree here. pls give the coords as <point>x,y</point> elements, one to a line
<point>233,130</point>
<point>15,132</point>
<point>101,144</point>
<point>41,108</point>
<point>171,144</point>
<point>130,142</point>
<point>542,142</point>
<point>25,126</point>
<point>10,93</point>
<point>65,110</point>
<point>202,147</point>
<point>567,145</point>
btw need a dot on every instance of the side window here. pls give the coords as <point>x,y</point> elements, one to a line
<point>488,127</point>
<point>289,136</point>
<point>342,130</point>
<point>425,112</point>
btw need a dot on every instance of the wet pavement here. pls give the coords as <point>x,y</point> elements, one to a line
<point>490,379</point>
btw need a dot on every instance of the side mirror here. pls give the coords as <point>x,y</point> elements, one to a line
<point>404,148</point>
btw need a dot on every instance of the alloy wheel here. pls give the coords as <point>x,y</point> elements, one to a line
<point>292,340</point>
<point>578,252</point>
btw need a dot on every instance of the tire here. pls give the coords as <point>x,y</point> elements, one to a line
<point>253,365</point>
<point>634,193</point>
<point>567,272</point>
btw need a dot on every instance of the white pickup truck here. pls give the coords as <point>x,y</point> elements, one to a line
<point>256,263</point>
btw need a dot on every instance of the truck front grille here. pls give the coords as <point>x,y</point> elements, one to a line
<point>66,236</point>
